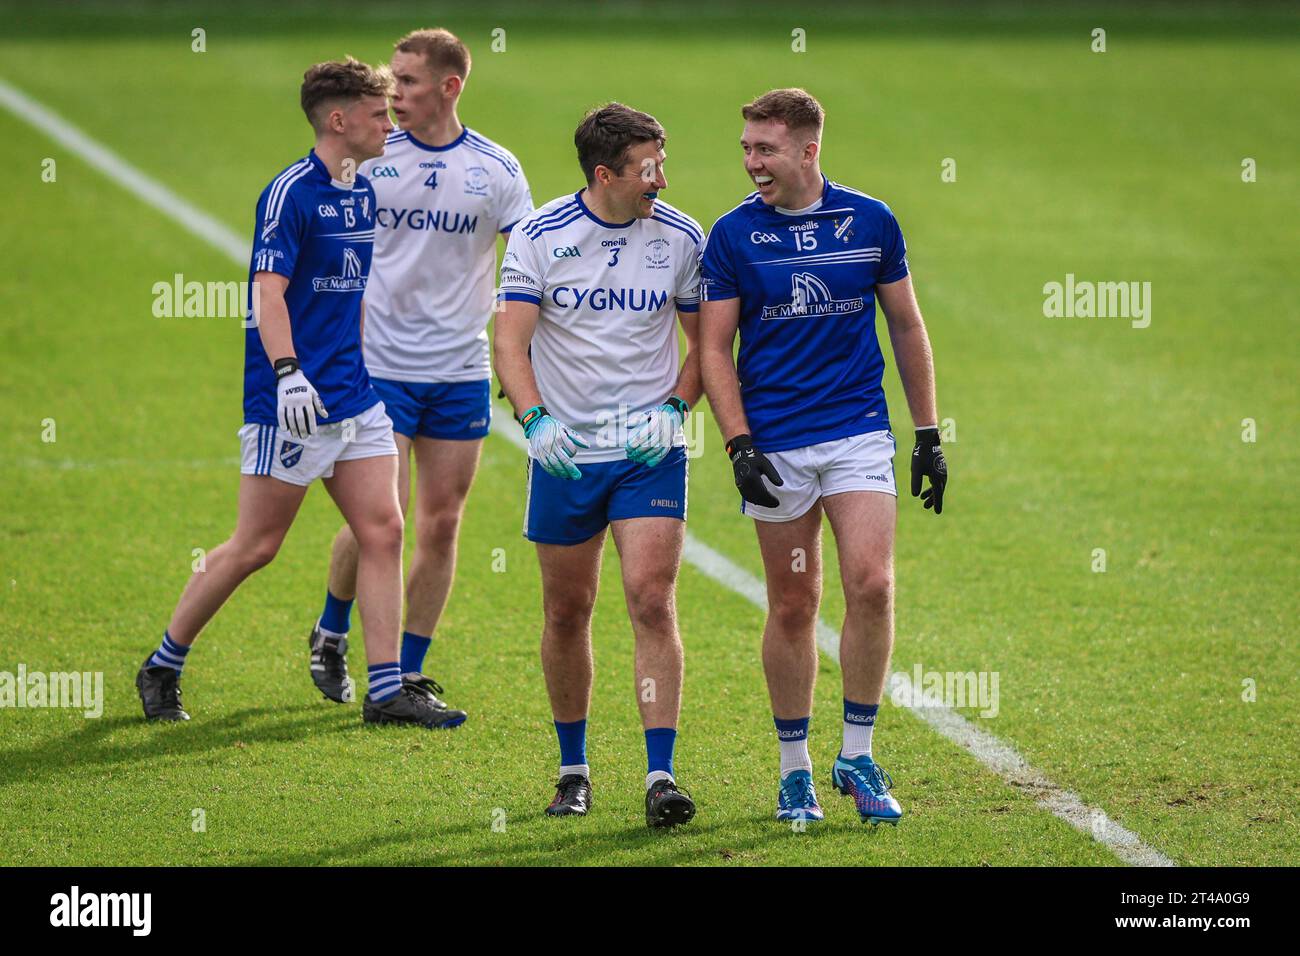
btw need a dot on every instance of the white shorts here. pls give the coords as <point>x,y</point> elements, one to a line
<point>269,450</point>
<point>857,463</point>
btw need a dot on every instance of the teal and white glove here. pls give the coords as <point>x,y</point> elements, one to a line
<point>650,434</point>
<point>552,443</point>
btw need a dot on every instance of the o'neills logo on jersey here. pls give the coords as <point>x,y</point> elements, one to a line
<point>352,280</point>
<point>599,300</point>
<point>810,296</point>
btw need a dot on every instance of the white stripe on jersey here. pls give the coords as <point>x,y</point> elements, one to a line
<point>280,189</point>
<point>606,340</point>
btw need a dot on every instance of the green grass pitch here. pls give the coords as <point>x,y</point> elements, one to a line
<point>1163,691</point>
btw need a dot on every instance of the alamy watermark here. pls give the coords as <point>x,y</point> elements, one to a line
<point>923,688</point>
<point>79,690</point>
<point>1102,300</point>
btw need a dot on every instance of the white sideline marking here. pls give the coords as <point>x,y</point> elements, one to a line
<point>998,756</point>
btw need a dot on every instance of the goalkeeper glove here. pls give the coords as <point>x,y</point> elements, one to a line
<point>296,402</point>
<point>928,460</point>
<point>750,466</point>
<point>552,443</point>
<point>650,434</point>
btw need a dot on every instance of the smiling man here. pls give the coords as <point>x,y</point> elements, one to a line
<point>595,283</point>
<point>444,193</point>
<point>796,268</point>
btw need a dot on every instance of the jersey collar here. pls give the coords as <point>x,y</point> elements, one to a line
<point>596,219</point>
<point>464,131</point>
<point>322,171</point>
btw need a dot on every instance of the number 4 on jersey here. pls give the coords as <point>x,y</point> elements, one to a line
<point>432,181</point>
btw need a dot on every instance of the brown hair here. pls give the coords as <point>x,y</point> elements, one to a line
<point>606,134</point>
<point>341,80</point>
<point>441,49</point>
<point>797,109</point>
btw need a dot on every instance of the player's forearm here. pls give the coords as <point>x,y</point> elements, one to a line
<point>516,373</point>
<point>718,371</point>
<point>690,382</point>
<point>273,324</point>
<point>916,370</point>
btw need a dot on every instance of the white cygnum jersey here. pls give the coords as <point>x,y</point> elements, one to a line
<point>606,340</point>
<point>439,210</point>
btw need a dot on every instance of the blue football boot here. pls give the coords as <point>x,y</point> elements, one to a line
<point>797,799</point>
<point>868,784</point>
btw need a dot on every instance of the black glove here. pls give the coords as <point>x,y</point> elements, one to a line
<point>750,466</point>
<point>928,461</point>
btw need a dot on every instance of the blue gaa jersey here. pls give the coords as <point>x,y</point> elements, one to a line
<point>319,233</point>
<point>809,365</point>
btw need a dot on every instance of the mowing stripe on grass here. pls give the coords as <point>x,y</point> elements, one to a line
<point>998,756</point>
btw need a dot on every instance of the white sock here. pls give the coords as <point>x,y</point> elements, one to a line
<point>857,739</point>
<point>794,756</point>
<point>327,632</point>
<point>654,775</point>
<point>581,769</point>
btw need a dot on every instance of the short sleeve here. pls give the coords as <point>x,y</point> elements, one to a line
<point>522,278</point>
<point>281,225</point>
<point>717,270</point>
<point>893,251</point>
<point>688,279</point>
<point>516,201</point>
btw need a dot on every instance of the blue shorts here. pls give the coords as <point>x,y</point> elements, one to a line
<point>571,512</point>
<point>460,411</point>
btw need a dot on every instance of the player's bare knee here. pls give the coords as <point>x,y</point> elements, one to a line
<point>381,535</point>
<point>651,610</point>
<point>257,553</point>
<point>794,611</point>
<point>869,592</point>
<point>569,616</point>
<point>435,531</point>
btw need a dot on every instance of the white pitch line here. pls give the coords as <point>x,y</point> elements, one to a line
<point>993,753</point>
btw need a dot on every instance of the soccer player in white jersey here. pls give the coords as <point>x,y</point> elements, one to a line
<point>444,194</point>
<point>796,269</point>
<point>309,409</point>
<point>596,282</point>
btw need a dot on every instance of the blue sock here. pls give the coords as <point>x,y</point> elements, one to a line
<point>337,616</point>
<point>169,654</point>
<point>659,743</point>
<point>573,742</point>
<point>414,648</point>
<point>385,681</point>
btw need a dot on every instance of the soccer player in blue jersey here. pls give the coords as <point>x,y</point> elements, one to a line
<point>594,285</point>
<point>796,269</point>
<point>309,409</point>
<point>443,194</point>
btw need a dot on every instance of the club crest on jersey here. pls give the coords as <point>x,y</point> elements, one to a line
<point>269,229</point>
<point>290,453</point>
<point>353,278</point>
<point>476,181</point>
<point>656,254</point>
<point>842,230</point>
<point>810,296</point>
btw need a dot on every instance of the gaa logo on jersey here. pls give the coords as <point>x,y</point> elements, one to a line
<point>385,172</point>
<point>290,453</point>
<point>656,255</point>
<point>476,181</point>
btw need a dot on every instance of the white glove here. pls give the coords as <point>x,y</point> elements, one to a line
<point>650,434</point>
<point>552,443</point>
<point>296,401</point>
